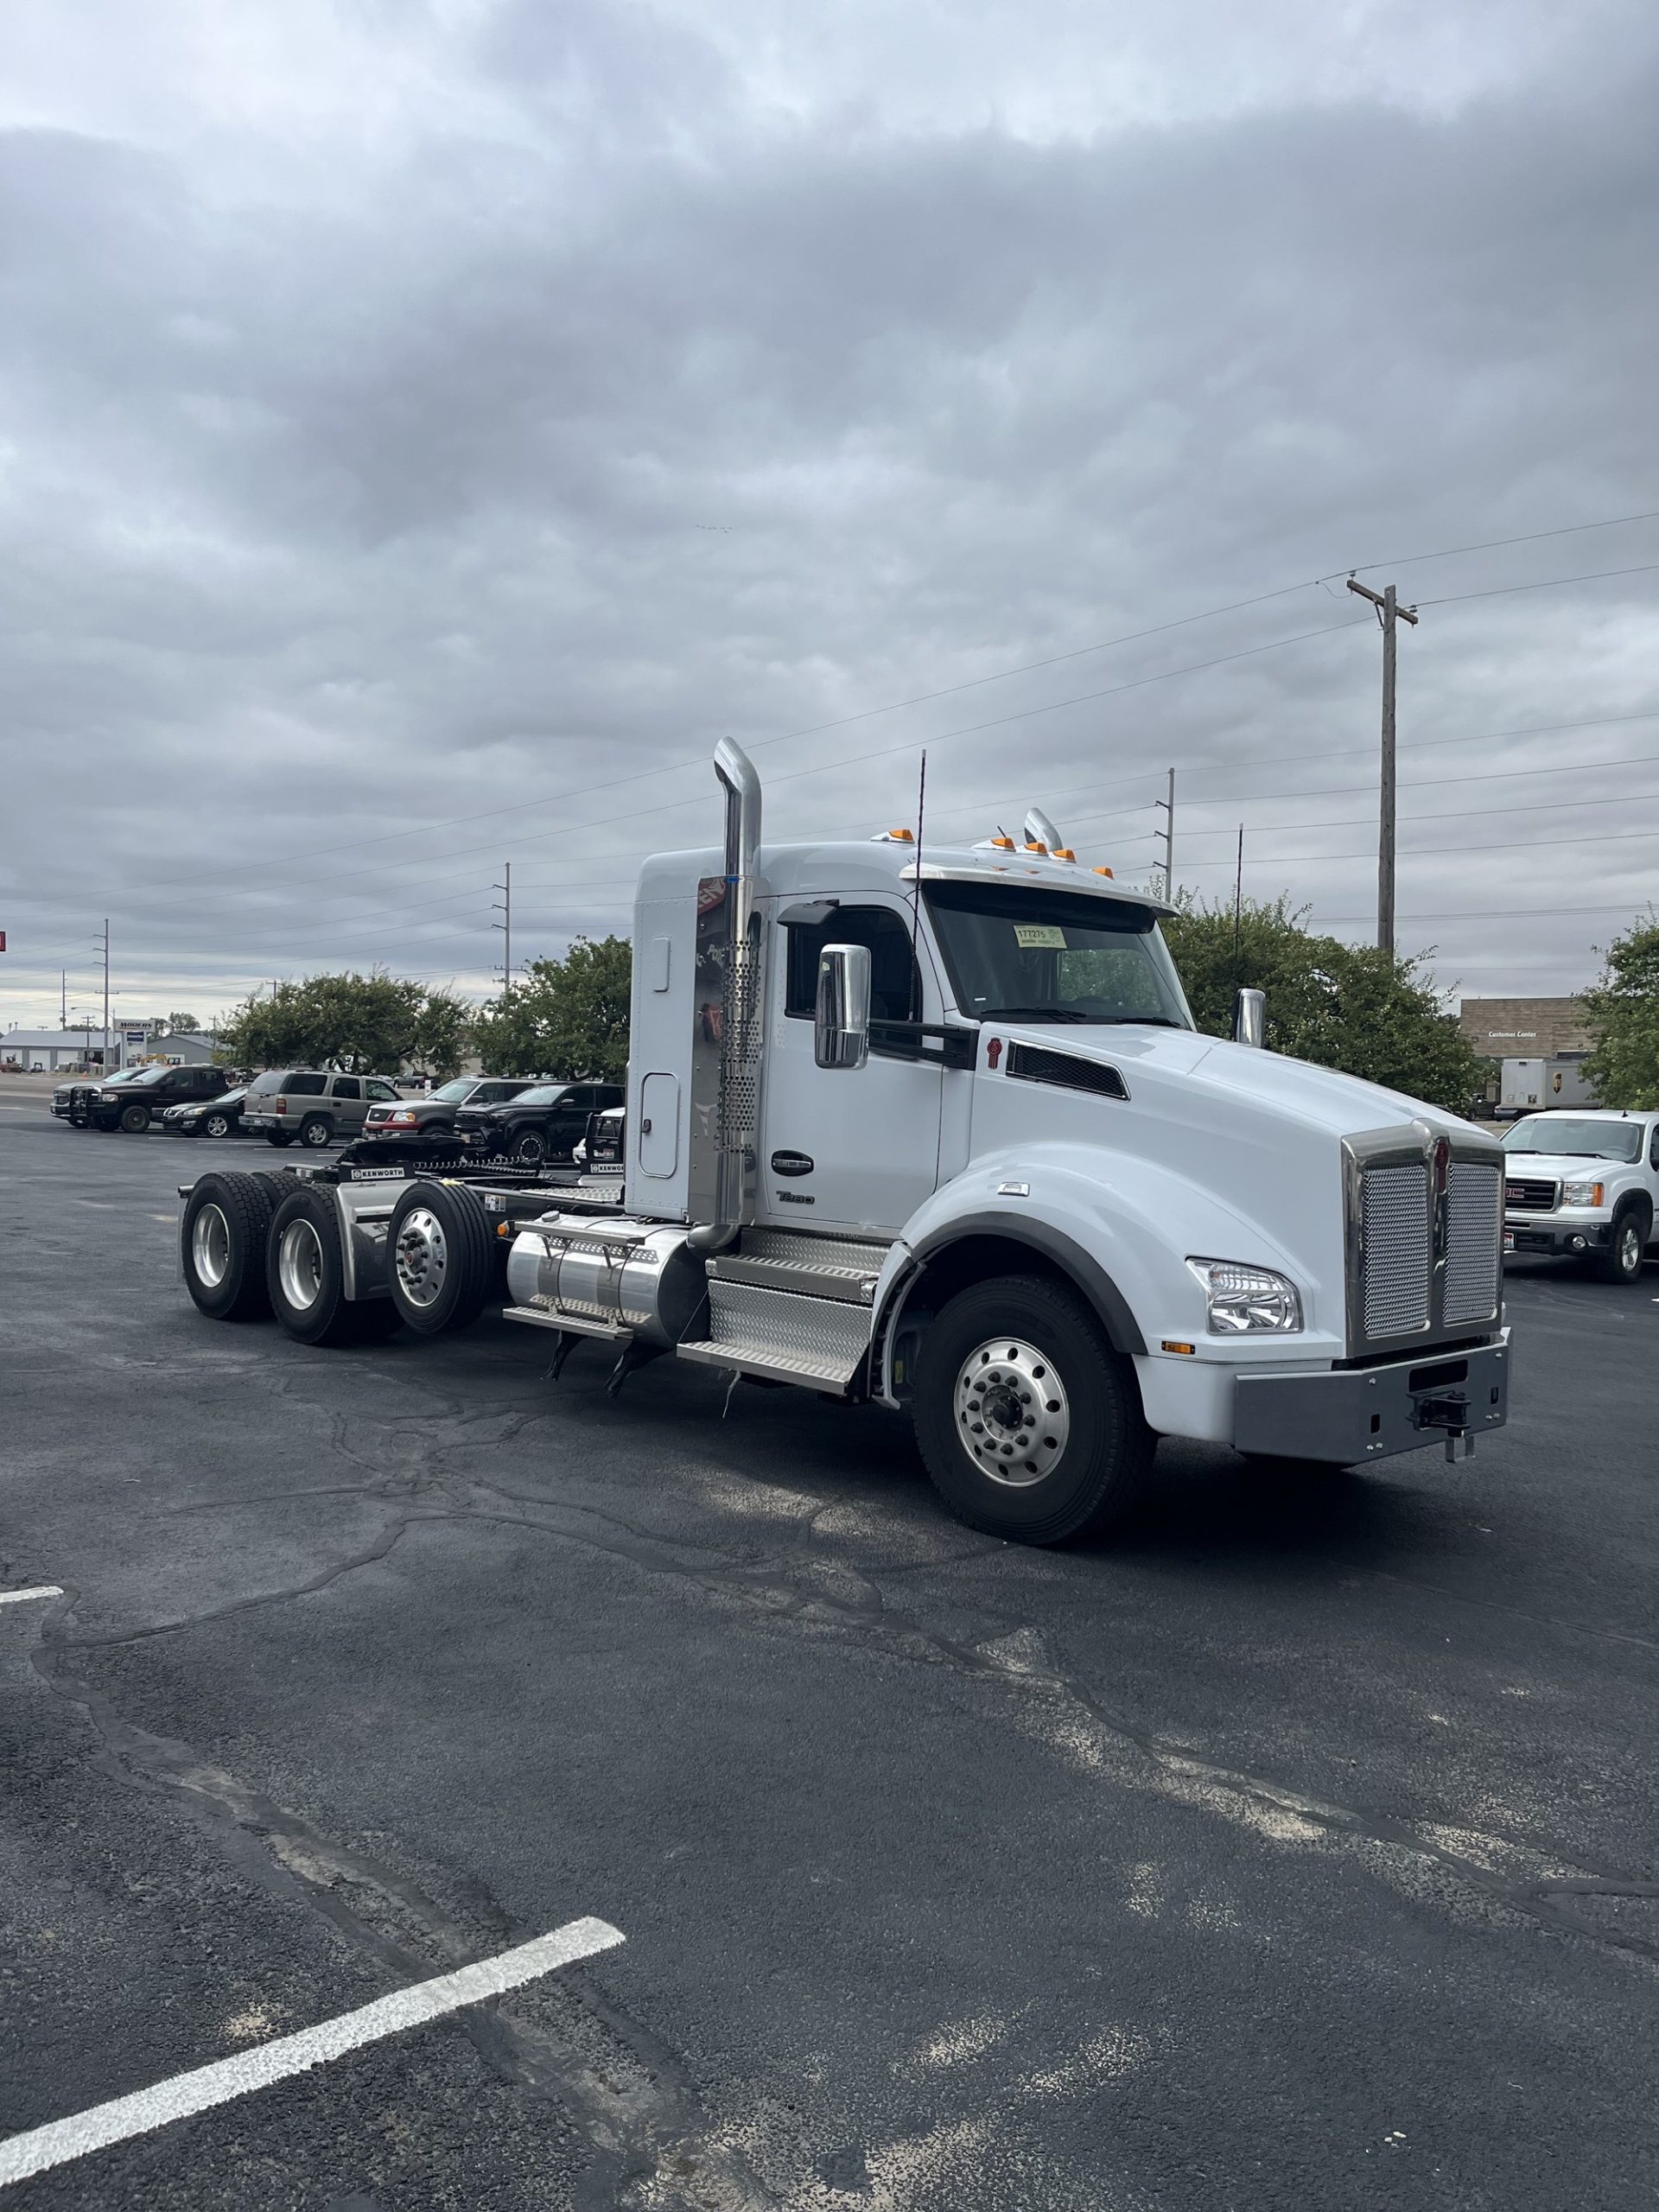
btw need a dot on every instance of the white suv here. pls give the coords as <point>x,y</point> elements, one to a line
<point>1584,1185</point>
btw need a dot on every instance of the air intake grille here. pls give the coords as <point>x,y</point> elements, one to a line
<point>1038,1064</point>
<point>1393,1218</point>
<point>1528,1194</point>
<point>1473,1239</point>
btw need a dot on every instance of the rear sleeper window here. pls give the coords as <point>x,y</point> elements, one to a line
<point>894,994</point>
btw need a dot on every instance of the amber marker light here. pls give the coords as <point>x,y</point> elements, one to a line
<point>1101,871</point>
<point>1170,1345</point>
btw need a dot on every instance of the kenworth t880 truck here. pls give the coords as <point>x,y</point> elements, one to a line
<point>934,1128</point>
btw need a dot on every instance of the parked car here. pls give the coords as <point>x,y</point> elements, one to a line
<point>206,1117</point>
<point>436,1110</point>
<point>1586,1186</point>
<point>546,1122</point>
<point>71,1101</point>
<point>133,1099</point>
<point>600,1152</point>
<point>311,1104</point>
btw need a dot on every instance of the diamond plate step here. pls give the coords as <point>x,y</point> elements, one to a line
<point>841,1268</point>
<point>783,1333</point>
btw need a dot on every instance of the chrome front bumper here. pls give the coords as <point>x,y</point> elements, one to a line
<point>1347,1415</point>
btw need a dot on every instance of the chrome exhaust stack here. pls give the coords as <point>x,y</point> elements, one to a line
<point>726,1126</point>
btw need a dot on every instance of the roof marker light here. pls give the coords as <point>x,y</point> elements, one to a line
<point>1101,871</point>
<point>1063,853</point>
<point>1034,847</point>
<point>1003,844</point>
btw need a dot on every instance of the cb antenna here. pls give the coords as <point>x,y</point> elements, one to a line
<point>916,896</point>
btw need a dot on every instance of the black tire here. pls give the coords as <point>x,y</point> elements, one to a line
<point>1101,1444</point>
<point>279,1137</point>
<point>1622,1260</point>
<point>216,1125</point>
<point>440,1257</point>
<point>530,1147</point>
<point>306,1278</point>
<point>315,1131</point>
<point>222,1242</point>
<point>135,1119</point>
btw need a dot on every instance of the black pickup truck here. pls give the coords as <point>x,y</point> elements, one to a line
<point>132,1099</point>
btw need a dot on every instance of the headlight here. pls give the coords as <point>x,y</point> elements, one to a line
<point>1241,1299</point>
<point>1583,1194</point>
<point>404,1118</point>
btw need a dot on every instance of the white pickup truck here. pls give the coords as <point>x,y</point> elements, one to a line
<point>1584,1185</point>
<point>936,1130</point>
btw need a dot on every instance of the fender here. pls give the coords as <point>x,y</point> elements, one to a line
<point>1123,1329</point>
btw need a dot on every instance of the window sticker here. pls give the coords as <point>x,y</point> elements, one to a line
<point>1038,936</point>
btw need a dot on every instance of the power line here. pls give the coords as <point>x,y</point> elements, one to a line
<point>1548,583</point>
<point>995,676</point>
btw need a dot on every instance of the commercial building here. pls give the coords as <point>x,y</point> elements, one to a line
<point>1524,1029</point>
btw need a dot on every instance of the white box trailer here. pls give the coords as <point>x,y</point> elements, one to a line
<point>936,1130</point>
<point>1537,1085</point>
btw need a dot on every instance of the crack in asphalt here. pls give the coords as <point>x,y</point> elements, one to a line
<point>760,1581</point>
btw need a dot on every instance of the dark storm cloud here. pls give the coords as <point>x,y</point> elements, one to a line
<point>353,483</point>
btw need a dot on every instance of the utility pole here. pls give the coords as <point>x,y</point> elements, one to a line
<point>1238,893</point>
<point>1166,838</point>
<point>505,927</point>
<point>1388,610</point>
<point>103,943</point>
<point>63,998</point>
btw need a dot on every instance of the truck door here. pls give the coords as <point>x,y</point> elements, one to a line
<point>845,1148</point>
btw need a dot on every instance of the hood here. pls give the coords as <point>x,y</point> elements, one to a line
<point>1254,1080</point>
<point>1577,1167</point>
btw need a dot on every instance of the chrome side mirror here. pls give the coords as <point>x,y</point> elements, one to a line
<point>841,1026</point>
<point>1250,1018</point>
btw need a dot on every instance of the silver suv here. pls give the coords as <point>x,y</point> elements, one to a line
<point>315,1107</point>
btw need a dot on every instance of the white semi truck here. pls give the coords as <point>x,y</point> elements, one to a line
<point>934,1129</point>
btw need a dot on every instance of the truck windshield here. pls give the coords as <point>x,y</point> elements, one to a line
<point>1029,954</point>
<point>1559,1133</point>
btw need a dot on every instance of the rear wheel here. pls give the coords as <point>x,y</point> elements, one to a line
<point>315,1131</point>
<point>440,1262</point>
<point>135,1119</point>
<point>306,1277</point>
<point>530,1147</point>
<point>1622,1260</point>
<point>1030,1424</point>
<point>222,1243</point>
<point>279,1137</point>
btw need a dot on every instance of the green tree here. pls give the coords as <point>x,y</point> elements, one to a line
<point>1354,1008</point>
<point>567,1018</point>
<point>1623,1008</point>
<point>354,1022</point>
<point>182,1025</point>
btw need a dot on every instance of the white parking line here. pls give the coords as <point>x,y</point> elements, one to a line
<point>61,2140</point>
<point>40,1590</point>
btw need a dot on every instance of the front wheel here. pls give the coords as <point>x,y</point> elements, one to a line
<point>1622,1260</point>
<point>1029,1423</point>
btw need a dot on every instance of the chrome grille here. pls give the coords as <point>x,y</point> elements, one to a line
<point>1530,1194</point>
<point>1394,1227</point>
<point>1473,1239</point>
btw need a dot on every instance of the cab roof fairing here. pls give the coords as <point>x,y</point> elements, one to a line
<point>844,866</point>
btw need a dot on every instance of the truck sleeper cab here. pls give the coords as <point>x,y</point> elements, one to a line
<point>936,1130</point>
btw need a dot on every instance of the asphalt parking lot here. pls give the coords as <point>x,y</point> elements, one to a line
<point>1297,1849</point>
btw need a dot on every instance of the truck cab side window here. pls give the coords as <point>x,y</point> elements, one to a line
<point>895,986</point>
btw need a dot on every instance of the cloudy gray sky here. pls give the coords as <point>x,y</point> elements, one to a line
<point>425,428</point>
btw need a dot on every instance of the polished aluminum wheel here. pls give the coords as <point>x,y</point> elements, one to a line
<point>210,1248</point>
<point>1011,1412</point>
<point>422,1256</point>
<point>1630,1248</point>
<point>299,1266</point>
